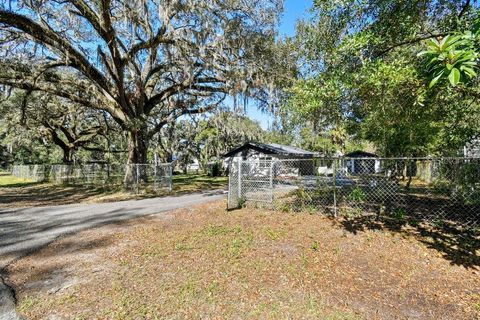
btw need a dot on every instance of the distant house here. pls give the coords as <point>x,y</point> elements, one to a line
<point>361,162</point>
<point>269,151</point>
<point>194,166</point>
<point>472,149</point>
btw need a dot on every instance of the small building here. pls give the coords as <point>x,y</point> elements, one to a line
<point>193,166</point>
<point>362,162</point>
<point>273,151</point>
<point>472,149</point>
<point>269,151</point>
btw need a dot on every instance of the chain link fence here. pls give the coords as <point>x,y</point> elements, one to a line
<point>437,191</point>
<point>134,177</point>
<point>34,172</point>
<point>145,176</point>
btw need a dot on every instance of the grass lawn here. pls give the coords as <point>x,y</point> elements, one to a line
<point>206,263</point>
<point>190,182</point>
<point>9,181</point>
<point>16,192</point>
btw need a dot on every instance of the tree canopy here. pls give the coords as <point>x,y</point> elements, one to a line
<point>375,71</point>
<point>143,62</point>
<point>399,78</point>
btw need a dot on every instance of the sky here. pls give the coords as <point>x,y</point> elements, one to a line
<point>294,10</point>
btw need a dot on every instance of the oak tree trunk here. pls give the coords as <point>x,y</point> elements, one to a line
<point>137,144</point>
<point>68,155</point>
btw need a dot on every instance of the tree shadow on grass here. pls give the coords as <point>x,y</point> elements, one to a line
<point>51,270</point>
<point>45,194</point>
<point>448,225</point>
<point>459,246</point>
<point>21,184</point>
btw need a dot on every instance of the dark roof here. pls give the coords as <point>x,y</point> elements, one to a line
<point>272,148</point>
<point>361,154</point>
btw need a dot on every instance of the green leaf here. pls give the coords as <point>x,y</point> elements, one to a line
<point>422,53</point>
<point>443,41</point>
<point>454,76</point>
<point>469,71</point>
<point>435,80</point>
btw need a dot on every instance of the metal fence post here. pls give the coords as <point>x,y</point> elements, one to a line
<point>271,181</point>
<point>239,179</point>
<point>155,176</point>
<point>335,187</point>
<point>170,166</point>
<point>137,166</point>
<point>229,192</point>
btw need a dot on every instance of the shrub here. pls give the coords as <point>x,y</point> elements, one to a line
<point>357,195</point>
<point>215,169</point>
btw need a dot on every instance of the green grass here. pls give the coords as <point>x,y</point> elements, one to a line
<point>188,182</point>
<point>279,266</point>
<point>9,181</point>
<point>181,182</point>
<point>23,192</point>
<point>198,178</point>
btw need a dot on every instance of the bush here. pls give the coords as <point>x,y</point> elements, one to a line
<point>215,169</point>
<point>442,186</point>
<point>357,195</point>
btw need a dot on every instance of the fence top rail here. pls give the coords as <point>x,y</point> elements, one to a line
<point>148,164</point>
<point>93,164</point>
<point>411,158</point>
<point>363,158</point>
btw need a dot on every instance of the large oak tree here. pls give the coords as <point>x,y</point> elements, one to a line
<point>144,62</point>
<point>68,125</point>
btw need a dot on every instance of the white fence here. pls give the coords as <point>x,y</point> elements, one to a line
<point>133,176</point>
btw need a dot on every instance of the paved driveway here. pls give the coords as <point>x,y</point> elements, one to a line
<point>24,230</point>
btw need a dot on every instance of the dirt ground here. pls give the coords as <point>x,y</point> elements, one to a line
<point>17,193</point>
<point>207,263</point>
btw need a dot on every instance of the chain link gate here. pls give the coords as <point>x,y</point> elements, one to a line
<point>250,182</point>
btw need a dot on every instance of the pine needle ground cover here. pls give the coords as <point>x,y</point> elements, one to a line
<point>208,263</point>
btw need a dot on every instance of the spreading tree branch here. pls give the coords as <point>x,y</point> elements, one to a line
<point>57,43</point>
<point>410,41</point>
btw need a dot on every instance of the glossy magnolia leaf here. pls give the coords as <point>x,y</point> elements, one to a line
<point>454,76</point>
<point>452,57</point>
